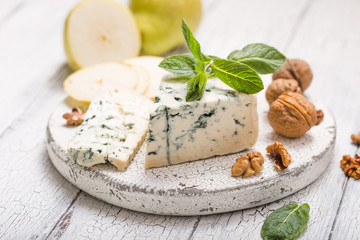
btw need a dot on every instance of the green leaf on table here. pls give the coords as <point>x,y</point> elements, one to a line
<point>193,44</point>
<point>181,65</point>
<point>287,222</point>
<point>196,87</point>
<point>238,76</point>
<point>262,58</point>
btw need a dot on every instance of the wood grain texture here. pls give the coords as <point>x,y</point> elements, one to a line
<point>231,25</point>
<point>8,10</point>
<point>31,52</point>
<point>33,194</point>
<point>337,37</point>
<point>36,201</point>
<point>262,32</point>
<point>347,222</point>
<point>90,218</point>
<point>324,195</point>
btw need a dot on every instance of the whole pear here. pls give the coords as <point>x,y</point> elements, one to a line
<point>159,22</point>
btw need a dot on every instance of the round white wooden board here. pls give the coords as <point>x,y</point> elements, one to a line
<point>201,187</point>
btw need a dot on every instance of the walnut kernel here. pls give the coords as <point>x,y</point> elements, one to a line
<point>355,138</point>
<point>242,163</point>
<point>248,165</point>
<point>281,156</point>
<point>351,166</point>
<point>296,69</point>
<point>291,115</point>
<point>319,116</point>
<point>279,86</point>
<point>256,160</point>
<point>76,117</point>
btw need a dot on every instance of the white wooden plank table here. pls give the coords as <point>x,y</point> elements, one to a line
<point>36,202</point>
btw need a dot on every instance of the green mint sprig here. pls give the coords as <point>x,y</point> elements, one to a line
<point>287,222</point>
<point>240,70</point>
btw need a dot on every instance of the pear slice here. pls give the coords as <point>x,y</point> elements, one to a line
<point>89,82</point>
<point>151,64</point>
<point>98,31</point>
<point>143,79</point>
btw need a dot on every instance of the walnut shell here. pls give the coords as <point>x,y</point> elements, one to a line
<point>292,115</point>
<point>296,69</point>
<point>279,86</point>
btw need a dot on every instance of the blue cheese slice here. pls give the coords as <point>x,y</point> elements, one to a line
<point>113,129</point>
<point>224,121</point>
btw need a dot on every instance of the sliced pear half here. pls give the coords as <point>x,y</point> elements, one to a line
<point>98,31</point>
<point>89,82</point>
<point>143,79</point>
<point>151,64</point>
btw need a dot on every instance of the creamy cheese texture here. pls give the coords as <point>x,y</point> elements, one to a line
<point>113,129</point>
<point>224,121</point>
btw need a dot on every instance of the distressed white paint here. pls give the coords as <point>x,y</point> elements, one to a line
<point>324,32</point>
<point>31,51</point>
<point>200,187</point>
<point>99,220</point>
<point>33,194</point>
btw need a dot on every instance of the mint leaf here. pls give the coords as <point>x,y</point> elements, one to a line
<point>193,44</point>
<point>196,87</point>
<point>287,222</point>
<point>209,71</point>
<point>262,58</point>
<point>212,57</point>
<point>239,72</point>
<point>238,76</point>
<point>200,66</point>
<point>178,78</point>
<point>181,65</point>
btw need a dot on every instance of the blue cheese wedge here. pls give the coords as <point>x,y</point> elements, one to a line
<point>224,121</point>
<point>113,129</point>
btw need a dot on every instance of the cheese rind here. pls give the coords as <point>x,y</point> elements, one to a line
<point>224,121</point>
<point>113,129</point>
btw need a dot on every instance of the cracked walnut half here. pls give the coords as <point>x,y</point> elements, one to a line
<point>351,166</point>
<point>281,156</point>
<point>355,138</point>
<point>75,117</point>
<point>248,165</point>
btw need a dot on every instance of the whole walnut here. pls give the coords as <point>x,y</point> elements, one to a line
<point>296,69</point>
<point>279,86</point>
<point>291,115</point>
